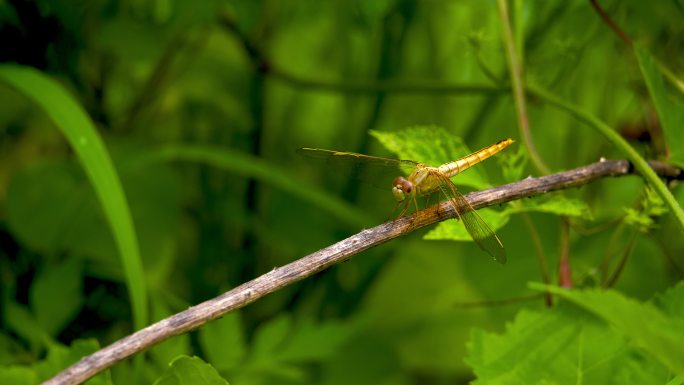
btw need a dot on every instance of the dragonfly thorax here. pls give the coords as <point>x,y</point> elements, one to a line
<point>400,187</point>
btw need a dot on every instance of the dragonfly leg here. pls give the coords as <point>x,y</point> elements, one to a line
<point>403,210</point>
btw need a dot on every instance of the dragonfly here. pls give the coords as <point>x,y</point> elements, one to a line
<point>425,180</point>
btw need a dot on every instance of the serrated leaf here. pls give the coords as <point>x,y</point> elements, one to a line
<point>57,295</point>
<point>454,230</point>
<point>563,345</point>
<point>223,341</point>
<point>186,370</point>
<point>660,335</point>
<point>556,204</point>
<point>431,145</point>
<point>670,111</point>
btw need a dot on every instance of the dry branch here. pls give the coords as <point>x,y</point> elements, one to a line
<point>282,276</point>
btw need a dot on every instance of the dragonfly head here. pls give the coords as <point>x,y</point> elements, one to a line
<point>400,187</point>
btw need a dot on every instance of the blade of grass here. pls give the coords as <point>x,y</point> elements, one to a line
<point>70,118</point>
<point>620,143</point>
<point>262,171</point>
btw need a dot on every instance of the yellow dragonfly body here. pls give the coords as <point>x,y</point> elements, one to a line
<point>425,180</point>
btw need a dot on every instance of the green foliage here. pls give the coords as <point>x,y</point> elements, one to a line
<point>670,110</point>
<point>58,357</point>
<point>79,130</point>
<point>603,337</point>
<point>148,163</point>
<point>190,370</point>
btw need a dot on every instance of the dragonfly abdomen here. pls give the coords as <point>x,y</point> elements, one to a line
<point>452,168</point>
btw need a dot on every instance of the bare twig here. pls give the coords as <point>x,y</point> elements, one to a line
<point>280,277</point>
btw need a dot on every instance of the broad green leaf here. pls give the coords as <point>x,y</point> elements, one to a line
<point>311,342</point>
<point>270,336</point>
<point>455,231</point>
<point>17,375</point>
<point>555,204</point>
<point>223,341</point>
<point>21,321</point>
<point>60,357</point>
<point>645,325</point>
<point>563,345</point>
<point>433,146</point>
<point>670,111</point>
<point>672,301</point>
<point>73,121</point>
<point>186,370</point>
<point>57,295</point>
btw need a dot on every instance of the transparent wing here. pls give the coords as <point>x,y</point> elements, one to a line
<point>372,169</point>
<point>482,234</point>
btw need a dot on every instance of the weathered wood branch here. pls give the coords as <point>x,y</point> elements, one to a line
<point>277,278</point>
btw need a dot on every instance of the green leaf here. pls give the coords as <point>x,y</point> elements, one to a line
<point>433,146</point>
<point>17,375</point>
<point>80,131</point>
<point>57,295</point>
<point>311,342</point>
<point>186,370</point>
<point>556,204</point>
<point>223,341</point>
<point>563,345</point>
<point>655,332</point>
<point>672,301</point>
<point>270,336</point>
<point>22,322</point>
<point>60,357</point>
<point>454,230</point>
<point>670,110</point>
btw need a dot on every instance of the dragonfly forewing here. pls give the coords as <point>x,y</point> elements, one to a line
<point>478,229</point>
<point>375,170</point>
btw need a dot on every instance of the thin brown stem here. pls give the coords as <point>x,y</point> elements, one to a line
<point>613,25</point>
<point>623,261</point>
<point>564,269</point>
<point>541,256</point>
<point>280,277</point>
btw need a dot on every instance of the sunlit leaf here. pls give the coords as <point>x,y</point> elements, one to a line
<point>186,370</point>
<point>455,231</point>
<point>646,326</point>
<point>563,345</point>
<point>433,146</point>
<point>555,204</point>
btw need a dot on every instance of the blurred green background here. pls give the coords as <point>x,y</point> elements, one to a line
<point>201,105</point>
